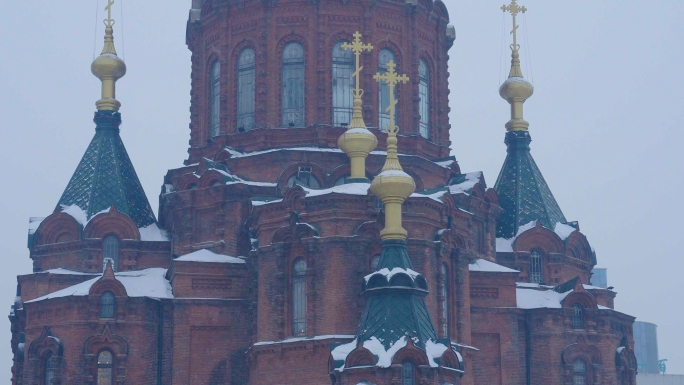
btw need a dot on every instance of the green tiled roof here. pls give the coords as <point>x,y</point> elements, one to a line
<point>105,176</point>
<point>523,193</point>
<point>392,312</point>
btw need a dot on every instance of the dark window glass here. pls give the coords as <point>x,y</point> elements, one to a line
<point>374,262</point>
<point>577,316</point>
<point>344,65</point>
<point>383,121</point>
<point>105,365</point>
<point>293,85</point>
<point>107,305</point>
<point>50,368</point>
<point>579,372</point>
<point>341,180</point>
<point>110,252</point>
<point>246,90</point>
<point>299,297</point>
<point>424,93</point>
<point>304,178</point>
<point>408,373</point>
<point>214,98</point>
<point>445,301</point>
<point>536,267</point>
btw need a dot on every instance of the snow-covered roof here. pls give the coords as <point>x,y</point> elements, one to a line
<point>205,255</point>
<point>315,338</point>
<point>489,267</point>
<point>470,181</point>
<point>505,245</point>
<point>60,270</point>
<point>348,188</point>
<point>564,230</point>
<point>150,233</point>
<point>534,297</point>
<point>141,283</point>
<point>34,222</point>
<point>153,233</point>
<point>390,273</point>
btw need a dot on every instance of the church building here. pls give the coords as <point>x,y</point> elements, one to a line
<point>318,231</point>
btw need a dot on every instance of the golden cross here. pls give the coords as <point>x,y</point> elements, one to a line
<point>109,22</point>
<point>514,9</point>
<point>391,78</point>
<point>357,47</point>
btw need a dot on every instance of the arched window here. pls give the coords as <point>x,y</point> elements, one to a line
<point>445,300</point>
<point>49,368</point>
<point>577,316</point>
<point>299,297</point>
<point>424,93</point>
<point>344,65</point>
<point>214,98</point>
<point>107,305</point>
<point>536,267</point>
<point>408,373</point>
<point>105,368</point>
<point>385,57</point>
<point>304,178</point>
<point>293,85</point>
<point>245,90</point>
<point>342,180</point>
<point>110,252</point>
<point>579,372</point>
<point>374,262</point>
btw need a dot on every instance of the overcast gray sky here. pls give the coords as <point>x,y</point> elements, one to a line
<point>608,76</point>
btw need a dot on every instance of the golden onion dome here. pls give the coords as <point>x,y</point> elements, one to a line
<point>108,66</point>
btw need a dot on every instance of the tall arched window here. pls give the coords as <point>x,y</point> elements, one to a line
<point>245,90</point>
<point>110,252</point>
<point>105,368</point>
<point>536,267</point>
<point>577,316</point>
<point>49,368</point>
<point>299,297</point>
<point>445,300</point>
<point>293,85</point>
<point>579,372</point>
<point>424,93</point>
<point>408,373</point>
<point>344,65</point>
<point>384,57</point>
<point>107,305</point>
<point>214,98</point>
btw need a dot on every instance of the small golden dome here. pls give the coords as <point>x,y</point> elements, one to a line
<point>516,89</point>
<point>108,66</point>
<point>393,184</point>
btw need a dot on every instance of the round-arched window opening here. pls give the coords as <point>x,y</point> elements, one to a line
<point>105,368</point>
<point>577,316</point>
<point>342,180</point>
<point>374,262</point>
<point>192,186</point>
<point>536,267</point>
<point>579,372</point>
<point>408,373</point>
<point>215,183</point>
<point>299,297</point>
<point>303,177</point>
<point>107,301</point>
<point>110,252</point>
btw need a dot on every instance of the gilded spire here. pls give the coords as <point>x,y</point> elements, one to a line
<point>516,89</point>
<point>108,67</point>
<point>357,142</point>
<point>392,185</point>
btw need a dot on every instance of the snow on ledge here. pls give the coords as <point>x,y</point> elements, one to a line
<point>153,233</point>
<point>531,298</point>
<point>205,255</point>
<point>384,356</point>
<point>316,338</point>
<point>505,245</point>
<point>390,273</point>
<point>150,283</point>
<point>489,267</point>
<point>34,223</point>
<point>77,213</point>
<point>434,350</point>
<point>563,230</point>
<point>60,270</point>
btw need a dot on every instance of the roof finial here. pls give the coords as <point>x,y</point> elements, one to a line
<point>357,142</point>
<point>108,67</point>
<point>516,89</point>
<point>392,185</point>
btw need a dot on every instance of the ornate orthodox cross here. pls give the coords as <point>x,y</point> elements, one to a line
<point>514,9</point>
<point>357,47</point>
<point>109,22</point>
<point>391,78</point>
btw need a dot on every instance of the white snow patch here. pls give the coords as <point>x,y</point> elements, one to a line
<point>60,270</point>
<point>446,163</point>
<point>261,203</point>
<point>601,307</point>
<point>489,267</point>
<point>341,352</point>
<point>434,196</point>
<point>77,213</point>
<point>153,233</point>
<point>384,356</point>
<point>390,273</point>
<point>347,188</point>
<point>358,131</point>
<point>142,283</point>
<point>471,180</point>
<point>434,350</point>
<point>388,173</point>
<point>316,338</point>
<point>205,255</point>
<point>563,230</point>
<point>504,245</point>
<point>34,223</point>
<point>528,298</point>
<point>620,349</point>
